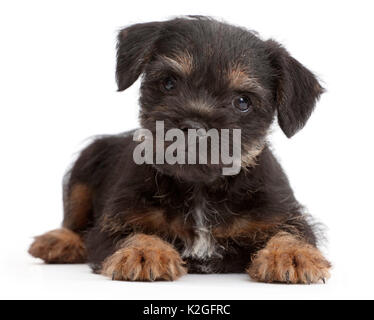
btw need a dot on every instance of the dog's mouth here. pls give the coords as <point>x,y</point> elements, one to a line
<point>200,161</point>
<point>190,154</point>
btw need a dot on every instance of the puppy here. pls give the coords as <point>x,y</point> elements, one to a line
<point>158,221</point>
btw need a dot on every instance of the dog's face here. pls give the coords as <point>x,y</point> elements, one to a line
<point>200,73</point>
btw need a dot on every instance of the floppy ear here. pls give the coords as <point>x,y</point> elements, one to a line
<point>134,49</point>
<point>296,89</point>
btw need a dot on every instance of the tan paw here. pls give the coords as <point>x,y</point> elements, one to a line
<point>287,259</point>
<point>59,246</point>
<point>144,258</point>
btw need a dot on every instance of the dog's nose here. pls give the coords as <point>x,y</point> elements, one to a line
<point>191,124</point>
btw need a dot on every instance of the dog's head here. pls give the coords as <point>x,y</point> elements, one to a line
<point>201,73</point>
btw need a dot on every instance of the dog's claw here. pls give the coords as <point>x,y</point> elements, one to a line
<point>151,275</point>
<point>287,275</point>
<point>267,278</point>
<point>132,276</point>
<point>113,276</point>
<point>307,279</point>
<point>323,280</point>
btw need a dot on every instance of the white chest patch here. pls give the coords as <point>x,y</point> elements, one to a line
<point>203,245</point>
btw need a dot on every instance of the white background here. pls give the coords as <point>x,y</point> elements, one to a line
<point>57,88</point>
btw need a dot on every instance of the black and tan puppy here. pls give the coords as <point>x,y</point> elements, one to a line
<point>160,221</point>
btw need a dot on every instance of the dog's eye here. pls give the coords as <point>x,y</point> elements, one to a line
<point>242,103</point>
<point>169,83</point>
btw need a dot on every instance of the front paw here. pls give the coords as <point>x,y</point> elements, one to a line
<point>289,260</point>
<point>144,258</point>
<point>59,246</point>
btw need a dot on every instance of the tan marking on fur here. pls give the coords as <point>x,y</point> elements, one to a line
<point>59,246</point>
<point>289,259</point>
<point>144,258</point>
<point>241,227</point>
<point>152,221</point>
<point>79,207</point>
<point>240,80</point>
<point>182,61</point>
<point>147,221</point>
<point>200,106</point>
<point>250,154</point>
